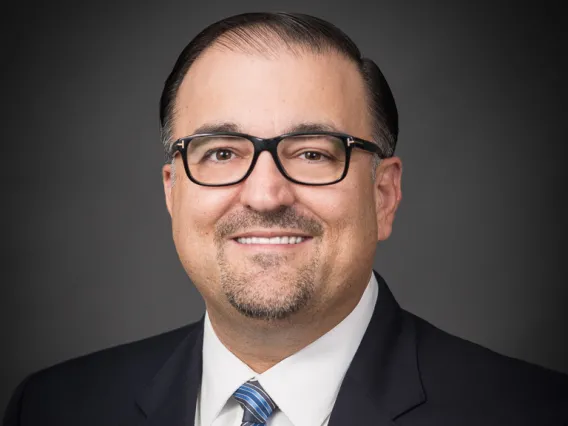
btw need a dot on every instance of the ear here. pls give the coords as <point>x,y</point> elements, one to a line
<point>388,194</point>
<point>167,180</point>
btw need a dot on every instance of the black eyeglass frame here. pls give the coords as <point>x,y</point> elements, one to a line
<point>271,145</point>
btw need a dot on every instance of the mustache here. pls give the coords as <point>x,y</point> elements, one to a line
<point>286,218</point>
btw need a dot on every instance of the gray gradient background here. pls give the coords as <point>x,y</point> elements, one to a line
<point>479,242</point>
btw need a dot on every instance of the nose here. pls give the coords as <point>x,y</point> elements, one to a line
<point>266,189</point>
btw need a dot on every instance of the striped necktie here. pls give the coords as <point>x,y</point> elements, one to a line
<point>256,403</point>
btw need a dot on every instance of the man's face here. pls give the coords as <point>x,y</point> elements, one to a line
<point>339,224</point>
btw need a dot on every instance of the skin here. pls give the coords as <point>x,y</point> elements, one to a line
<point>316,284</point>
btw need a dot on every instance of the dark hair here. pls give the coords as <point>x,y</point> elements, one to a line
<point>259,31</point>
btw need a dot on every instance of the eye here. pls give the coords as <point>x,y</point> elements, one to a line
<point>219,155</point>
<point>314,156</point>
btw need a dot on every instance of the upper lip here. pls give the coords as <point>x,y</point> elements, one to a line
<point>270,234</point>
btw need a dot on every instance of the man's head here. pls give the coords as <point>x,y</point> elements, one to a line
<point>266,75</point>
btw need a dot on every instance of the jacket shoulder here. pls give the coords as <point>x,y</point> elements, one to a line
<point>102,379</point>
<point>464,374</point>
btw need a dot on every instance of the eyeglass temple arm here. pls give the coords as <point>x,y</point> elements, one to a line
<point>364,145</point>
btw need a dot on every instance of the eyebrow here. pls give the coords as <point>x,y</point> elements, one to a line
<point>234,127</point>
<point>218,128</point>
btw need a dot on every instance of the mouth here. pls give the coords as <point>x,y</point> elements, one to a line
<point>281,239</point>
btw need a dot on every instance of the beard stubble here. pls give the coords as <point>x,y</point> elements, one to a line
<point>292,290</point>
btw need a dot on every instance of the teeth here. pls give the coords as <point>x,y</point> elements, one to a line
<point>273,240</point>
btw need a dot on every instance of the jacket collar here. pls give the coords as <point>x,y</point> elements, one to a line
<point>171,396</point>
<point>382,382</point>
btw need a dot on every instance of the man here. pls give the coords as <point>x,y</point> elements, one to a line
<point>280,180</point>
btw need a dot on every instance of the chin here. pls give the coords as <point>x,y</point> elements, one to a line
<point>269,310</point>
<point>266,295</point>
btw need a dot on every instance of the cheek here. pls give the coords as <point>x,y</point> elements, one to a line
<point>196,210</point>
<point>347,210</point>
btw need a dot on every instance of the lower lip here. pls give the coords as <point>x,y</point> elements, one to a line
<point>273,246</point>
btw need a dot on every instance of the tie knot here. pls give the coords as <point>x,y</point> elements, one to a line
<point>256,403</point>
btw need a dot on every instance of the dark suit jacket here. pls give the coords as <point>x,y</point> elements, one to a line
<point>405,372</point>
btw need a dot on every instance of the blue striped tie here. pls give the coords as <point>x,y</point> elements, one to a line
<point>256,403</point>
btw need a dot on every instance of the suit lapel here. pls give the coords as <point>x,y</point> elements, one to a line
<point>383,380</point>
<point>171,396</point>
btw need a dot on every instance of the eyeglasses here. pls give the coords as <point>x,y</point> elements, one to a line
<point>307,158</point>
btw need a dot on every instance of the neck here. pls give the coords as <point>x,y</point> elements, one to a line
<point>261,344</point>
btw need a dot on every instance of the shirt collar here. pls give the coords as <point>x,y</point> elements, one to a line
<point>305,385</point>
<point>223,373</point>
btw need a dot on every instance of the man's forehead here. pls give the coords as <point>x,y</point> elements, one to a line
<point>225,85</point>
<point>222,60</point>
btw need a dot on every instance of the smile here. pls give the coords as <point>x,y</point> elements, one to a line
<point>273,240</point>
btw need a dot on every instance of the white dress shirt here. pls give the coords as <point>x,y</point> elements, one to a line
<point>304,386</point>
